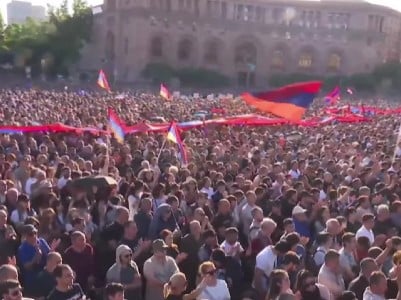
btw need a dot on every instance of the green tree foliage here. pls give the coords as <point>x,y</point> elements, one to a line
<point>158,72</point>
<point>384,78</point>
<point>50,46</point>
<point>193,77</point>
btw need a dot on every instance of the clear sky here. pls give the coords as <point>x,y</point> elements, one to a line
<point>396,4</point>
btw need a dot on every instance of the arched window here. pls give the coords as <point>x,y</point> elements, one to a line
<point>278,60</point>
<point>184,50</point>
<point>156,47</point>
<point>305,61</point>
<point>109,51</point>
<point>211,53</point>
<point>245,54</point>
<point>334,62</point>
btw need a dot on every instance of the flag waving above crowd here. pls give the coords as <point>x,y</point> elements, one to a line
<point>289,102</point>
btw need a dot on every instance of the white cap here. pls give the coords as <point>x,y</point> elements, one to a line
<point>298,210</point>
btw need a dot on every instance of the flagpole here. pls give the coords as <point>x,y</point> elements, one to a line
<point>161,149</point>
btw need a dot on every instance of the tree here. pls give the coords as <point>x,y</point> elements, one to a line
<point>49,46</point>
<point>72,31</point>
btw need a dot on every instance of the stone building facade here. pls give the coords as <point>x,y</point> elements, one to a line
<point>244,39</point>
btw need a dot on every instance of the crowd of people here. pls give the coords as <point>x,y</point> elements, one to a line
<point>258,213</point>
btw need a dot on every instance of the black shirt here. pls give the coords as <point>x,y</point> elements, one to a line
<point>75,293</point>
<point>44,284</point>
<point>358,286</point>
<point>114,231</point>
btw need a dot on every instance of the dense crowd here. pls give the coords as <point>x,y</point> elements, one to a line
<point>258,213</point>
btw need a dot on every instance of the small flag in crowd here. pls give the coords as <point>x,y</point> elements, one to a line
<point>333,96</point>
<point>289,102</point>
<point>350,91</point>
<point>116,126</point>
<point>173,135</point>
<point>164,92</point>
<point>102,81</point>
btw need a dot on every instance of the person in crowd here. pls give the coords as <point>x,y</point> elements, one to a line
<point>263,237</point>
<point>126,272</point>
<point>131,238</point>
<point>32,255</point>
<point>279,284</point>
<point>8,272</point>
<point>368,222</point>
<point>347,257</point>
<point>65,287</point>
<point>162,219</point>
<point>144,217</point>
<point>210,243</point>
<point>377,286</point>
<point>111,235</point>
<point>231,245</point>
<point>266,262</point>
<point>291,263</point>
<point>45,282</point>
<point>114,291</point>
<point>324,243</point>
<point>8,235</point>
<point>11,290</point>
<point>157,270</point>
<point>330,274</point>
<point>81,258</point>
<point>214,288</point>
<point>189,246</point>
<point>307,287</point>
<point>359,284</point>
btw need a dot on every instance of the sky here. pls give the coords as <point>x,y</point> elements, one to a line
<point>395,4</point>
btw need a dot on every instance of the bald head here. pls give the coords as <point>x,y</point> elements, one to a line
<point>8,272</point>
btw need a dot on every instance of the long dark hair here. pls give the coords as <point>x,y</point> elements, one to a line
<point>276,283</point>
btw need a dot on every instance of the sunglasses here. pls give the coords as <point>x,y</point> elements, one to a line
<point>128,255</point>
<point>211,272</point>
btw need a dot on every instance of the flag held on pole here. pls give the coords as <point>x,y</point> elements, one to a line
<point>333,96</point>
<point>173,136</point>
<point>164,92</point>
<point>102,81</point>
<point>116,126</point>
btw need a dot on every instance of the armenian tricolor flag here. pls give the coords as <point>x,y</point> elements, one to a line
<point>164,92</point>
<point>102,81</point>
<point>333,96</point>
<point>173,135</point>
<point>116,126</point>
<point>289,102</point>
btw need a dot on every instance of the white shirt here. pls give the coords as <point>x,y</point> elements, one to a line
<point>62,182</point>
<point>209,191</point>
<point>28,185</point>
<point>294,174</point>
<point>229,249</point>
<point>363,231</point>
<point>218,292</point>
<point>133,204</point>
<point>266,261</point>
<point>18,218</point>
<point>246,217</point>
